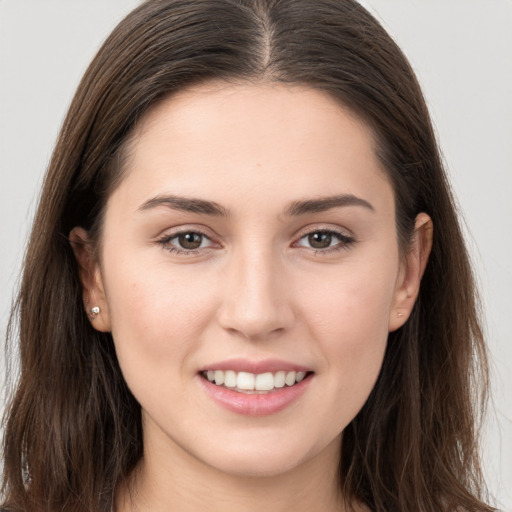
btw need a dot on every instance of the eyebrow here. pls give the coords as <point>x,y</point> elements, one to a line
<point>186,204</point>
<point>201,206</point>
<point>327,203</point>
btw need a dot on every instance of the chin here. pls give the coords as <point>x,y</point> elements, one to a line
<point>255,466</point>
<point>269,458</point>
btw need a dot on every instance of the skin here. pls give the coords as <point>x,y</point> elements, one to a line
<point>255,289</point>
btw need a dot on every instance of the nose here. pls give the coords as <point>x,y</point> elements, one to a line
<point>255,302</point>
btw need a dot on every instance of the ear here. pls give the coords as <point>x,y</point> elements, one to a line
<point>91,279</point>
<point>411,272</point>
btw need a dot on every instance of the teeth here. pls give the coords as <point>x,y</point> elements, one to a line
<point>290,378</point>
<point>264,382</point>
<point>279,379</point>
<point>230,379</point>
<point>244,381</point>
<point>300,376</point>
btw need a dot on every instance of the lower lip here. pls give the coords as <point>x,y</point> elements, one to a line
<point>255,404</point>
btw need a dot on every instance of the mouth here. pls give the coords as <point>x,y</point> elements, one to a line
<point>255,383</point>
<point>255,387</point>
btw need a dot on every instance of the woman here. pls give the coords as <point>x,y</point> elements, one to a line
<point>221,303</point>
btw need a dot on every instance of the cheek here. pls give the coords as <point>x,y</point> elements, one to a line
<point>349,320</point>
<point>157,319</point>
<point>352,302</point>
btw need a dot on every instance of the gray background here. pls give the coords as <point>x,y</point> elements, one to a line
<point>462,53</point>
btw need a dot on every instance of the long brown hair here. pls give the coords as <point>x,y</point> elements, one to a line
<point>73,429</point>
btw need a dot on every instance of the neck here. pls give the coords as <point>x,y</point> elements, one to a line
<point>172,479</point>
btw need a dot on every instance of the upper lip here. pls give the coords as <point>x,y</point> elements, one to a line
<point>256,367</point>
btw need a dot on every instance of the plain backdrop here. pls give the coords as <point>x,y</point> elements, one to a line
<point>462,53</point>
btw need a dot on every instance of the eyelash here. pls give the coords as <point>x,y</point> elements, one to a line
<point>345,241</point>
<point>165,242</point>
<point>344,244</point>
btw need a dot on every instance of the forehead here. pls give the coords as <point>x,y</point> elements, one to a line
<point>214,108</point>
<point>259,136</point>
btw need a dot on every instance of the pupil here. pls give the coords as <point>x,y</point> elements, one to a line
<point>190,240</point>
<point>320,240</point>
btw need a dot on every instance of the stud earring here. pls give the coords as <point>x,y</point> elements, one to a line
<point>399,315</point>
<point>94,312</point>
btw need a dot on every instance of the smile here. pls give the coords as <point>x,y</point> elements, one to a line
<point>256,389</point>
<point>251,383</point>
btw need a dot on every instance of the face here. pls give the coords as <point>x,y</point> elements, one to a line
<point>249,273</point>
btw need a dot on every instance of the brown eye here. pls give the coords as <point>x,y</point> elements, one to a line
<point>190,240</point>
<point>320,240</point>
<point>187,243</point>
<point>325,241</point>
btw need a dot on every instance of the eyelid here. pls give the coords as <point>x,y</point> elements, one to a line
<point>327,228</point>
<point>165,238</point>
<point>345,236</point>
<point>173,231</point>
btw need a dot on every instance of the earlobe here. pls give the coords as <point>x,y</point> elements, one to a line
<point>95,303</point>
<point>411,271</point>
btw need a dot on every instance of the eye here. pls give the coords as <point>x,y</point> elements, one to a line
<point>186,242</point>
<point>190,240</point>
<point>325,240</point>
